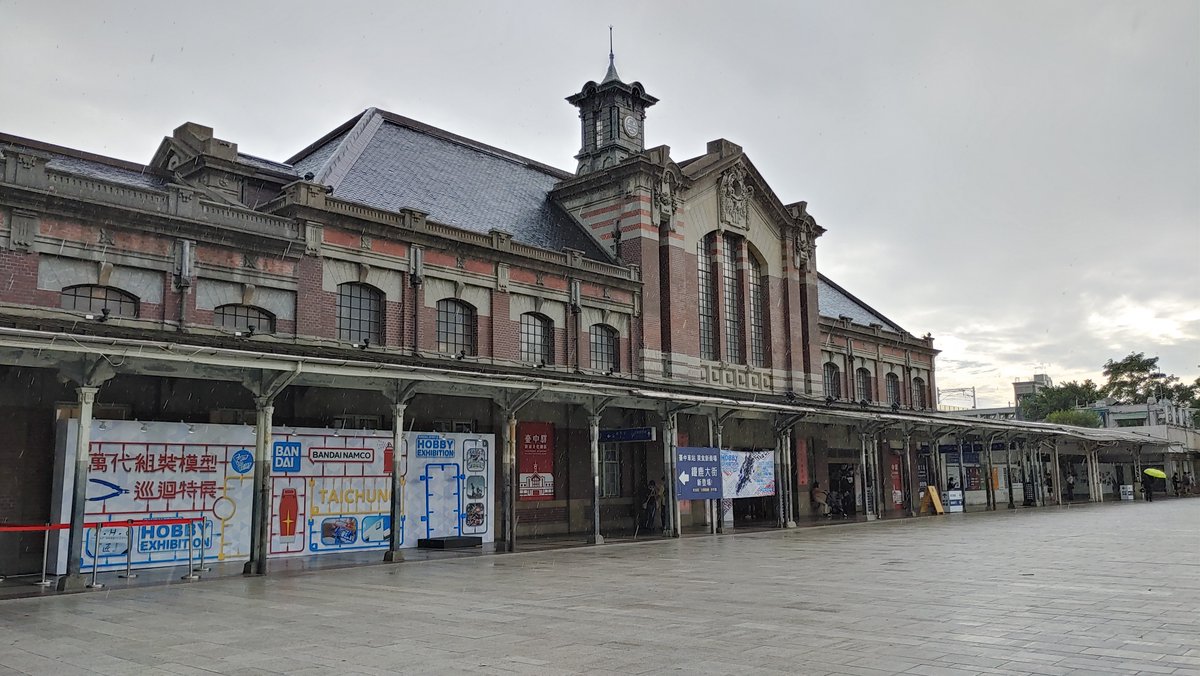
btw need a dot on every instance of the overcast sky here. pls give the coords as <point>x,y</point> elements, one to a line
<point>1020,179</point>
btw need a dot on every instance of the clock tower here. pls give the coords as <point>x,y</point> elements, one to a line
<point>611,115</point>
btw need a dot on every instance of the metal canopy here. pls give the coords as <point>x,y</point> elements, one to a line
<point>46,349</point>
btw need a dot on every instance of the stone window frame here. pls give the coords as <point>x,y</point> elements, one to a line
<point>360,313</point>
<point>892,381</point>
<point>96,298</point>
<point>833,380</point>
<point>605,344</point>
<point>242,317</point>
<point>862,384</point>
<point>537,338</point>
<point>457,327</point>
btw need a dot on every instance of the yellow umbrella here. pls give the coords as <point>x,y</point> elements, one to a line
<point>1157,473</point>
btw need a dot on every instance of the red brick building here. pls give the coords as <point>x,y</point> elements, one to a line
<point>392,270</point>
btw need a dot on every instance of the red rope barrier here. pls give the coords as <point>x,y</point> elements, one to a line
<point>39,527</point>
<point>26,528</point>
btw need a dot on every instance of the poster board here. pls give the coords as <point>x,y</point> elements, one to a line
<point>330,490</point>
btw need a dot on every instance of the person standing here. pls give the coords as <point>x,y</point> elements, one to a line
<point>1070,487</point>
<point>662,502</point>
<point>1148,488</point>
<point>1191,482</point>
<point>1175,483</point>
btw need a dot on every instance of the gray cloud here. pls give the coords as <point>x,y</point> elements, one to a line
<point>1021,179</point>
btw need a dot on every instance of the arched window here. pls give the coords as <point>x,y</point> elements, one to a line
<point>758,312</point>
<point>918,387</point>
<point>537,336</point>
<point>244,318</point>
<point>605,356</point>
<point>893,389</point>
<point>862,385</point>
<point>732,297</point>
<point>455,327</point>
<point>359,313</point>
<point>101,300</point>
<point>708,309</point>
<point>833,380</point>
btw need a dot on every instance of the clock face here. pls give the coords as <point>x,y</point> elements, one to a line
<point>631,125</point>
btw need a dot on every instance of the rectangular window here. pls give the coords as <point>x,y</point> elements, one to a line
<point>610,474</point>
<point>708,312</point>
<point>733,298</point>
<point>758,352</point>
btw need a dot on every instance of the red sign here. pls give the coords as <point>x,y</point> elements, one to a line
<point>897,483</point>
<point>801,450</point>
<point>535,460</point>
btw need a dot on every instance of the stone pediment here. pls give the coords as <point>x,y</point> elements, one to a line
<point>741,188</point>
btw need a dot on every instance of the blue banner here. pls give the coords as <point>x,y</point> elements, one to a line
<point>629,435</point>
<point>697,474</point>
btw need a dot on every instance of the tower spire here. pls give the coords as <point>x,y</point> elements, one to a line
<point>611,75</point>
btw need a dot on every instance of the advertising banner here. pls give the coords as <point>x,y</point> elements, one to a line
<point>747,474</point>
<point>330,490</point>
<point>535,461</point>
<point>698,474</point>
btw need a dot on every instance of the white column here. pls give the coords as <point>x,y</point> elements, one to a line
<point>594,429</point>
<point>399,466</point>
<point>671,431</point>
<point>260,509</point>
<point>83,441</point>
<point>509,477</point>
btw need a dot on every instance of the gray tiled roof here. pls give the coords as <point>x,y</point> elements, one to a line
<point>833,301</point>
<point>269,165</point>
<point>395,164</point>
<point>105,172</point>
<point>316,159</point>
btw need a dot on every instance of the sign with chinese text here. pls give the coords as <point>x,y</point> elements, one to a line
<point>330,490</point>
<point>535,460</point>
<point>697,474</point>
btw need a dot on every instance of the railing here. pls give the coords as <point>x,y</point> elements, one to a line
<point>129,525</point>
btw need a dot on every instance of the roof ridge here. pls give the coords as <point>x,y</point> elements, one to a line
<point>77,154</point>
<point>350,148</point>
<point>499,153</point>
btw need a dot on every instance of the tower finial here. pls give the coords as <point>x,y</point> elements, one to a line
<point>611,75</point>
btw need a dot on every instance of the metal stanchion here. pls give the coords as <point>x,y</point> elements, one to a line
<point>191,573</point>
<point>45,554</point>
<point>129,574</point>
<point>95,560</point>
<point>203,529</point>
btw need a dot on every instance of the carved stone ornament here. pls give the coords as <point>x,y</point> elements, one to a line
<point>106,237</point>
<point>735,197</point>
<point>664,197</point>
<point>365,242</point>
<point>248,262</point>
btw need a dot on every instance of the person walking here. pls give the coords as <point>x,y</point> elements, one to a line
<point>1175,483</point>
<point>650,506</point>
<point>1148,488</point>
<point>1070,487</point>
<point>1191,482</point>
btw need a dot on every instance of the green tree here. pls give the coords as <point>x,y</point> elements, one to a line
<point>1062,397</point>
<point>1076,417</point>
<point>1137,377</point>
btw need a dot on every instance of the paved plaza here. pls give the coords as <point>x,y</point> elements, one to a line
<point>1081,590</point>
